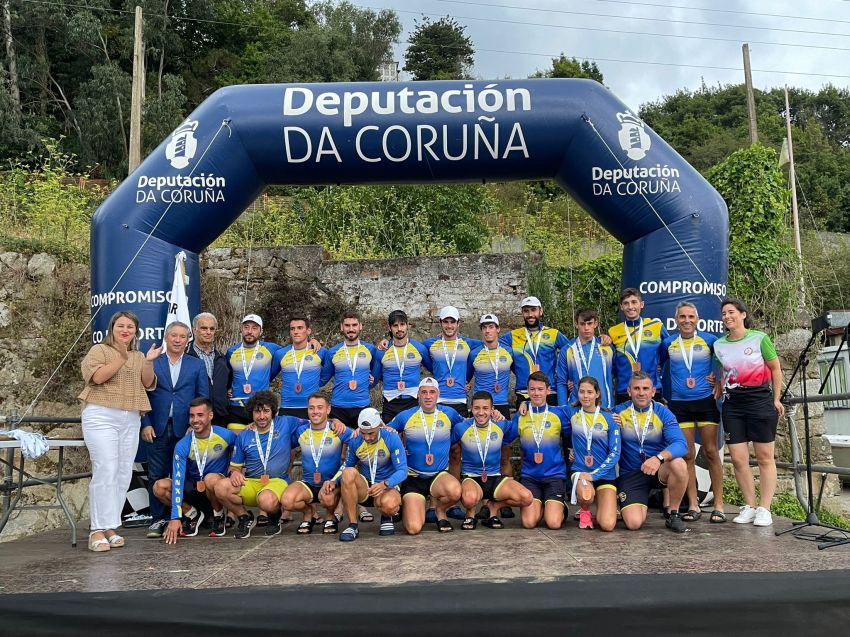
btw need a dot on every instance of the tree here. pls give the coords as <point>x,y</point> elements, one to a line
<point>439,50</point>
<point>571,67</point>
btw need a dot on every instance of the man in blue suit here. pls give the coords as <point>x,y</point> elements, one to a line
<point>179,380</point>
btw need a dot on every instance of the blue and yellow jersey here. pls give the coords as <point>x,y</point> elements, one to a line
<point>260,371</point>
<point>662,432</point>
<point>411,358</point>
<point>289,360</point>
<point>604,444</point>
<point>440,423</point>
<point>647,359</point>
<point>546,342</point>
<point>351,389</point>
<point>466,432</point>
<point>390,460</point>
<point>551,424</point>
<point>483,365</point>
<point>440,359</point>
<point>185,468</point>
<point>702,364</point>
<point>247,457</point>
<point>571,367</point>
<point>331,452</point>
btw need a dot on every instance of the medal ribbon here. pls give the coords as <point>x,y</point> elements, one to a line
<point>642,433</point>
<point>635,348</point>
<point>198,461</point>
<point>580,358</point>
<point>494,362</point>
<point>264,459</point>
<point>450,363</point>
<point>247,369</point>
<point>687,355</point>
<point>298,366</point>
<point>429,434</point>
<point>373,460</point>
<point>317,457</point>
<point>536,347</point>
<point>482,453</point>
<point>352,364</point>
<point>400,364</point>
<point>538,435</point>
<point>588,431</point>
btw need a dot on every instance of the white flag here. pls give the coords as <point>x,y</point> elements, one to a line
<point>178,308</point>
<point>784,156</point>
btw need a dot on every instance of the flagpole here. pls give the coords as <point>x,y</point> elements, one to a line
<point>795,218</point>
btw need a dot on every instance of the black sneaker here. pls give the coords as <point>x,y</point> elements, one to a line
<point>675,523</point>
<point>243,527</point>
<point>156,529</point>
<point>273,526</point>
<point>262,520</point>
<point>191,525</point>
<point>219,526</point>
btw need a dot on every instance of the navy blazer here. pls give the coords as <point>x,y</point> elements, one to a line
<point>191,383</point>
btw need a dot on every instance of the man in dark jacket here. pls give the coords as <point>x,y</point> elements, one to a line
<point>204,327</point>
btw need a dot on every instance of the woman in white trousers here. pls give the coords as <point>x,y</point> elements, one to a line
<point>117,376</point>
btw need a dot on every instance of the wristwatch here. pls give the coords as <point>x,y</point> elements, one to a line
<point>660,457</point>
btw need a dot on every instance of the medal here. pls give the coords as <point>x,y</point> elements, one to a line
<point>535,367</point>
<point>264,478</point>
<point>642,456</point>
<point>588,433</point>
<point>692,382</point>
<point>299,367</point>
<point>317,478</point>
<point>641,435</point>
<point>483,476</point>
<point>688,359</point>
<point>588,461</point>
<point>497,387</point>
<point>538,457</point>
<point>298,388</point>
<point>636,366</point>
<point>200,487</point>
<point>429,459</point>
<point>246,368</point>
<point>200,462</point>
<point>399,363</point>
<point>482,453</point>
<point>494,364</point>
<point>429,434</point>
<point>536,433</point>
<point>264,457</point>
<point>316,455</point>
<point>246,388</point>
<point>450,381</point>
<point>400,385</point>
<point>352,384</point>
<point>533,347</point>
<point>352,364</point>
<point>635,346</point>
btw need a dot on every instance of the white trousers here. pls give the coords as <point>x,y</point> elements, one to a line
<point>112,438</point>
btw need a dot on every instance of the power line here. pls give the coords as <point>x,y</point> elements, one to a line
<point>147,15</point>
<point>643,18</point>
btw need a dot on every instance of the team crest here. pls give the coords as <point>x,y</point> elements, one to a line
<point>632,136</point>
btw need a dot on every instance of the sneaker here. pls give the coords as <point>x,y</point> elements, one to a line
<point>219,526</point>
<point>262,520</point>
<point>675,523</point>
<point>746,515</point>
<point>387,527</point>
<point>456,513</point>
<point>243,527</point>
<point>763,517</point>
<point>156,529</point>
<point>274,526</point>
<point>191,525</point>
<point>585,519</point>
<point>349,534</point>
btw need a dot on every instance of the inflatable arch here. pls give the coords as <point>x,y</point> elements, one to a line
<point>673,224</point>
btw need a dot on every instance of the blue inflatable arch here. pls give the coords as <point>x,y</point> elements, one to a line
<point>673,224</point>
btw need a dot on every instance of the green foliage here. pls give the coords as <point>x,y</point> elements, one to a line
<point>439,50</point>
<point>563,66</point>
<point>593,284</point>
<point>762,265</point>
<point>28,246</point>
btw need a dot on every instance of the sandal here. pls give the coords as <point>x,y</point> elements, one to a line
<point>331,527</point>
<point>717,517</point>
<point>692,515</point>
<point>365,516</point>
<point>115,540</point>
<point>100,545</point>
<point>469,524</point>
<point>306,527</point>
<point>444,526</point>
<point>493,523</point>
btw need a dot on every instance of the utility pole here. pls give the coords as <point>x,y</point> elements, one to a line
<point>751,102</point>
<point>138,95</point>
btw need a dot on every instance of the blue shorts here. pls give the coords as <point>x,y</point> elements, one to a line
<point>546,490</point>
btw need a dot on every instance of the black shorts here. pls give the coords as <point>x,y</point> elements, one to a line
<point>347,415</point>
<point>600,483</point>
<point>314,491</point>
<point>237,414</point>
<point>490,487</point>
<point>461,408</point>
<point>195,498</point>
<point>419,485</point>
<point>749,415</point>
<point>634,488</point>
<point>505,410</point>
<point>548,489</point>
<point>394,407</point>
<point>551,400</point>
<point>297,412</point>
<point>702,411</point>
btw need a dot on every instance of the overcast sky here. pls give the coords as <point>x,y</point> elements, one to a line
<point>506,48</point>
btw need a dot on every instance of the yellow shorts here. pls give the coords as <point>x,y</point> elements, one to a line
<point>235,427</point>
<point>253,486</point>
<point>692,424</point>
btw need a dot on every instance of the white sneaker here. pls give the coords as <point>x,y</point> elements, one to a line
<point>763,517</point>
<point>746,515</point>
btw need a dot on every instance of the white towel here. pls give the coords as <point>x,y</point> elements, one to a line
<point>33,445</point>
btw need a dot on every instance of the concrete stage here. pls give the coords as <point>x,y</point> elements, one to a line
<point>715,578</point>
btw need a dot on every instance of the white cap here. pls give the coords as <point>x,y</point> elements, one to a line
<point>489,318</point>
<point>530,301</point>
<point>253,318</point>
<point>369,418</point>
<point>429,381</point>
<point>449,312</point>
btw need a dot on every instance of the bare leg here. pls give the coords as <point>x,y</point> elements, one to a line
<point>693,498</point>
<point>708,435</point>
<point>740,454</point>
<point>767,472</point>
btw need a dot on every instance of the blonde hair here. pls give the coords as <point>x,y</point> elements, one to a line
<point>109,339</point>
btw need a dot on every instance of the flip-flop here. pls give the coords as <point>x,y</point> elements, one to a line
<point>717,517</point>
<point>692,515</point>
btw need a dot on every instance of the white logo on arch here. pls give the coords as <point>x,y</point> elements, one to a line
<point>182,146</point>
<point>633,137</point>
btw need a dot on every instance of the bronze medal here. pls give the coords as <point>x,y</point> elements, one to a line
<point>352,384</point>
<point>588,460</point>
<point>317,478</point>
<point>636,366</point>
<point>264,479</point>
<point>246,388</point>
<point>535,367</point>
<point>450,381</point>
<point>692,382</point>
<point>200,487</point>
<point>298,388</point>
<point>497,387</point>
<point>400,385</point>
<point>429,459</point>
<point>483,476</point>
<point>538,457</point>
